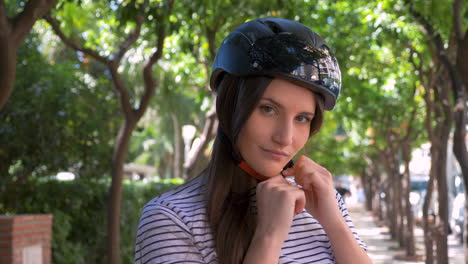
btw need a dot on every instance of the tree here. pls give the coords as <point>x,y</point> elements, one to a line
<point>133,16</point>
<point>446,45</point>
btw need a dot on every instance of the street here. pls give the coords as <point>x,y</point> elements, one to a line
<point>382,250</point>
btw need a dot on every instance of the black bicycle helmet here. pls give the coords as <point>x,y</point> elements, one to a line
<point>280,48</point>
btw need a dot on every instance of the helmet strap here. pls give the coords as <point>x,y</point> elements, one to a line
<point>236,157</point>
<point>245,167</point>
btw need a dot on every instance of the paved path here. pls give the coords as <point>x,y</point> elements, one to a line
<point>382,250</point>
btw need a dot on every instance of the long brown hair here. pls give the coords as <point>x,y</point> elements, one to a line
<point>230,209</point>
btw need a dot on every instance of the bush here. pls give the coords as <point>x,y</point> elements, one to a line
<point>80,209</point>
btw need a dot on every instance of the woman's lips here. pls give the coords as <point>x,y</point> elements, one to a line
<point>275,153</point>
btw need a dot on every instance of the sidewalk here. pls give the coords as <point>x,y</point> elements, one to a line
<point>382,250</point>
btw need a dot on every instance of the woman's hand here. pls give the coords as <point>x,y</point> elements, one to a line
<point>278,201</point>
<point>317,183</point>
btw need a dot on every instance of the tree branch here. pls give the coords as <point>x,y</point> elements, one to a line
<point>69,42</point>
<point>23,22</point>
<point>412,117</point>
<point>211,37</point>
<point>430,106</point>
<point>132,37</point>
<point>462,61</point>
<point>122,93</point>
<point>457,83</point>
<point>457,22</point>
<point>415,65</point>
<point>149,81</point>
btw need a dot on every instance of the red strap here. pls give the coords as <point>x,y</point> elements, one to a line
<point>245,167</point>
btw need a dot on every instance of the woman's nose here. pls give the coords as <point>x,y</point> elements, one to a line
<point>283,132</point>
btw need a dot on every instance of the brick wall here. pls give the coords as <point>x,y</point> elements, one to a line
<point>25,239</point>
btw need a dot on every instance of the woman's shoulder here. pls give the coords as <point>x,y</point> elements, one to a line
<point>186,196</point>
<point>169,228</point>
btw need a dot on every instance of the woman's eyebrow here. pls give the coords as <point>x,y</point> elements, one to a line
<point>271,100</point>
<point>308,113</point>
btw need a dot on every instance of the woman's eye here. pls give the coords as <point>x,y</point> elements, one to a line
<point>267,109</point>
<point>303,119</point>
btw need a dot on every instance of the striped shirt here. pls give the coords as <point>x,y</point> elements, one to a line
<point>173,228</point>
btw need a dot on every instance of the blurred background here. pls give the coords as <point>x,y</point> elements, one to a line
<point>105,104</point>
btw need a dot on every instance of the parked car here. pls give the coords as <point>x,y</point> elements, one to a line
<point>458,216</point>
<point>417,195</point>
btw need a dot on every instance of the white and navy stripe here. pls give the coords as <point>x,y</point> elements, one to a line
<point>173,228</point>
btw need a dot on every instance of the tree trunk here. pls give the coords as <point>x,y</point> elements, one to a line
<point>460,115</point>
<point>378,204</point>
<point>7,68</point>
<point>392,192</point>
<point>437,99</point>
<point>441,170</point>
<point>396,197</point>
<point>465,235</point>
<point>427,226</point>
<point>177,146</point>
<point>165,166</point>
<point>208,133</point>
<point>462,61</point>
<point>460,151</point>
<point>442,189</point>
<point>439,109</point>
<point>377,185</point>
<point>443,131</point>
<point>393,213</point>
<point>387,209</point>
<point>120,152</point>
<point>438,171</point>
<point>401,212</point>
<point>369,191</point>
<point>366,183</point>
<point>409,234</point>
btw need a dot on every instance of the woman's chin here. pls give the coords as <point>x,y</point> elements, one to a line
<point>267,169</point>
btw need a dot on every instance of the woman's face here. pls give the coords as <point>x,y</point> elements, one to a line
<point>278,127</point>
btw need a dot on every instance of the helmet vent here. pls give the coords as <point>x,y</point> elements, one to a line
<point>273,26</point>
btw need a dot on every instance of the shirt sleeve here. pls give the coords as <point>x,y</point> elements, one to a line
<point>349,222</point>
<point>163,238</point>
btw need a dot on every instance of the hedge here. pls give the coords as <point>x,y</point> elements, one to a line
<point>80,209</point>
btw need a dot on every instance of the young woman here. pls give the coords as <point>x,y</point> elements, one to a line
<point>273,78</point>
